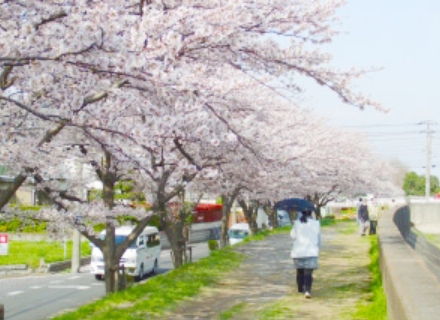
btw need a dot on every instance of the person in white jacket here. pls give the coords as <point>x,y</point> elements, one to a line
<point>306,235</point>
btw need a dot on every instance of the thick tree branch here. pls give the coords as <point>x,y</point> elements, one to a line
<point>6,195</point>
<point>51,18</point>
<point>4,82</point>
<point>185,154</point>
<point>99,96</point>
<point>28,109</point>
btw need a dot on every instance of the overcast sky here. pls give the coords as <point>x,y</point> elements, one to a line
<point>402,37</point>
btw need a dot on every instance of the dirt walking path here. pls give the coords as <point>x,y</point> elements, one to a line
<point>264,287</point>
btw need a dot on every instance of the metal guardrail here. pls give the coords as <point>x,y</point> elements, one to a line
<point>195,236</point>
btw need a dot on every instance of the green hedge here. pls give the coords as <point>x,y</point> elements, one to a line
<point>18,225</point>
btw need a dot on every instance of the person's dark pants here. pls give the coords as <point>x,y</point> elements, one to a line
<point>373,225</point>
<point>304,280</point>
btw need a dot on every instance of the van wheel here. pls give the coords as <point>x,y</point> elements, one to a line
<point>155,268</point>
<point>99,277</point>
<point>141,273</point>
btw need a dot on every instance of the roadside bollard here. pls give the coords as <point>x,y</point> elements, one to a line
<point>2,312</point>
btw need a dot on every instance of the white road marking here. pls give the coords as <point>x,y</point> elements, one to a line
<point>56,281</point>
<point>14,293</point>
<point>36,287</point>
<point>97,284</point>
<point>74,277</point>
<point>69,287</point>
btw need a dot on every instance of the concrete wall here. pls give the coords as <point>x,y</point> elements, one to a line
<point>426,216</point>
<point>411,287</point>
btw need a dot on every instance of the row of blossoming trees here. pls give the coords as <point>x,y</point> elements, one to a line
<point>175,95</point>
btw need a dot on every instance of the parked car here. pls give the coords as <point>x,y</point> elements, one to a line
<point>238,232</point>
<point>140,258</point>
<point>283,218</point>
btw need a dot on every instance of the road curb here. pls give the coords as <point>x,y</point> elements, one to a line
<point>23,269</point>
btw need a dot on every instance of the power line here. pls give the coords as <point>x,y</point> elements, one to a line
<point>383,125</point>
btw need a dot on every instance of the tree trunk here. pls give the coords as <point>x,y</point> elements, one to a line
<point>111,264</point>
<point>224,227</point>
<point>272,214</point>
<point>250,212</point>
<point>174,232</point>
<point>111,259</point>
<point>227,202</point>
<point>318,211</point>
<point>321,199</point>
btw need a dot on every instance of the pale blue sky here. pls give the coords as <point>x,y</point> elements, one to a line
<point>403,38</point>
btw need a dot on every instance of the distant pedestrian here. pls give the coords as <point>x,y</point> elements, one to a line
<point>363,218</point>
<point>357,209</point>
<point>373,215</point>
<point>306,235</point>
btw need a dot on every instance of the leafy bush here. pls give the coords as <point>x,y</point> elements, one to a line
<point>213,245</point>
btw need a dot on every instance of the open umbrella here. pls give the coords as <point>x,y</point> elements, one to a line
<point>295,204</point>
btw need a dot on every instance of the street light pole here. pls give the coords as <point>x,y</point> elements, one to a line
<point>428,160</point>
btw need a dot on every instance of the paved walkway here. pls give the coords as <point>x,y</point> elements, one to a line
<point>263,287</point>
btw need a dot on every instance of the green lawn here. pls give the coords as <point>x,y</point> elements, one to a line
<point>30,252</point>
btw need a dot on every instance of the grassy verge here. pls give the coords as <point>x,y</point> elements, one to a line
<point>434,239</point>
<point>375,307</point>
<point>153,298</point>
<point>285,229</point>
<point>30,253</point>
<point>328,222</point>
<point>229,314</point>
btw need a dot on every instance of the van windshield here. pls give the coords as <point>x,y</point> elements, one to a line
<point>120,239</point>
<point>238,234</point>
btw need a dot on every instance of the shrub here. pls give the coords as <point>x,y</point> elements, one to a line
<point>213,245</point>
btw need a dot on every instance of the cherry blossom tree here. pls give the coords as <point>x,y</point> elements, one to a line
<point>158,90</point>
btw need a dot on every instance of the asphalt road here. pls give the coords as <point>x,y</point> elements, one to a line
<point>44,296</point>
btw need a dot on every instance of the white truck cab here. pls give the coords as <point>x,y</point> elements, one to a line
<point>237,232</point>
<point>140,258</point>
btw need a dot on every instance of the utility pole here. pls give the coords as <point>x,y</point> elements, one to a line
<point>428,159</point>
<point>76,235</point>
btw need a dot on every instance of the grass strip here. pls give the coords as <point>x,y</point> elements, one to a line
<point>375,306</point>
<point>229,314</point>
<point>30,252</point>
<point>280,310</point>
<point>160,294</point>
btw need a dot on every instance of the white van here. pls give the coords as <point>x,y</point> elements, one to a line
<point>237,232</point>
<point>140,258</point>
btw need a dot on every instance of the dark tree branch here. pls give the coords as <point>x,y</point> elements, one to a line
<point>51,18</point>
<point>4,82</point>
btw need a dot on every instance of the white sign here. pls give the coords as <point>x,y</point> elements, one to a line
<point>4,244</point>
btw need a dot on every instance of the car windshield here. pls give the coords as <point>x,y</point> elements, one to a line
<point>238,234</point>
<point>120,239</point>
